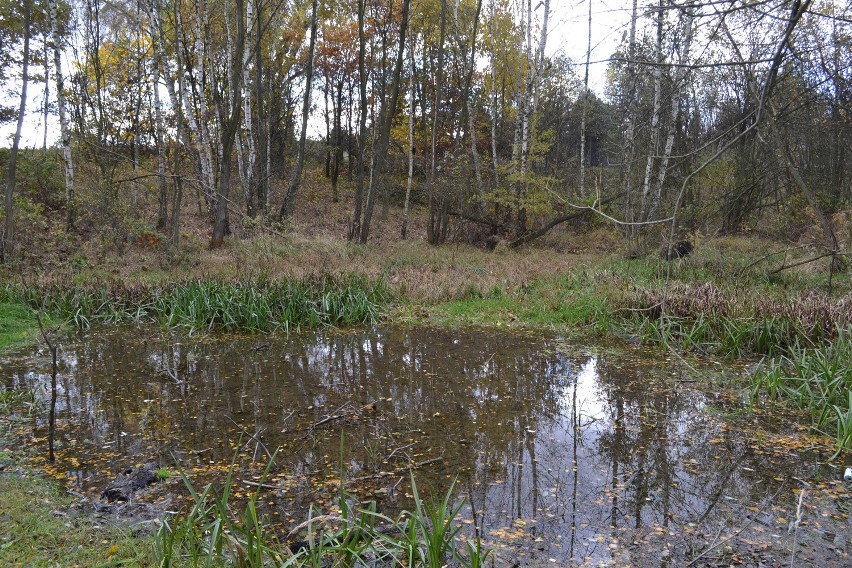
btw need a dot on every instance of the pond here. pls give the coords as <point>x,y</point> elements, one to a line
<point>563,454</point>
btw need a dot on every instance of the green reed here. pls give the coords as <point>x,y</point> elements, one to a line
<point>212,533</point>
<point>259,305</point>
<point>815,379</point>
<point>727,336</point>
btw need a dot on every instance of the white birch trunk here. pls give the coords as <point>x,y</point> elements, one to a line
<point>679,82</point>
<point>247,169</point>
<point>159,135</point>
<point>585,108</point>
<point>630,117</point>
<point>201,126</point>
<point>64,127</point>
<point>494,111</point>
<point>655,117</point>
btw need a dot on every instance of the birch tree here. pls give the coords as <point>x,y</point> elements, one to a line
<point>289,204</point>
<point>11,173</point>
<point>64,126</point>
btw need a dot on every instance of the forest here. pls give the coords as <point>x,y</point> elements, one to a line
<point>716,117</point>
<point>426,283</point>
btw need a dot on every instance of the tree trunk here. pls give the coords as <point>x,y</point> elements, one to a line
<point>46,105</point>
<point>262,184</point>
<point>655,117</point>
<point>679,82</point>
<point>200,126</point>
<point>338,142</point>
<point>160,140</point>
<point>247,150</point>
<point>64,127</point>
<point>629,148</point>
<point>355,227</point>
<point>585,110</point>
<point>229,114</point>
<point>11,179</point>
<point>404,231</point>
<point>386,120</point>
<point>296,176</point>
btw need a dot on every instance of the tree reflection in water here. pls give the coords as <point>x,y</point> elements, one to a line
<point>559,452</point>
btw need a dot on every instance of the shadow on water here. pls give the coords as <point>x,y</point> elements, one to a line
<point>564,456</point>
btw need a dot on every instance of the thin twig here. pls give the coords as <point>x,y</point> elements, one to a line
<point>244,431</point>
<point>263,485</point>
<point>796,526</point>
<point>808,261</point>
<point>770,255</point>
<point>318,519</point>
<point>399,449</point>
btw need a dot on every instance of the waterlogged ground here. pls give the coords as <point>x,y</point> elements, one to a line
<point>564,455</point>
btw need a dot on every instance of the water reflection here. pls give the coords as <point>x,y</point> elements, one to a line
<point>558,450</point>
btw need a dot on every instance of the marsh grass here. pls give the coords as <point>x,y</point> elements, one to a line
<point>815,379</point>
<point>211,532</point>
<point>32,534</point>
<point>17,324</point>
<point>214,532</point>
<point>258,305</point>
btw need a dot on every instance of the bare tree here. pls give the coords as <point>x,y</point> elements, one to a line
<point>386,116</point>
<point>411,109</point>
<point>296,176</point>
<point>585,107</point>
<point>64,127</point>
<point>11,179</point>
<point>229,115</point>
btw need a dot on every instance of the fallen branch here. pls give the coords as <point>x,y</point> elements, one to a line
<point>832,253</point>
<point>531,236</point>
<point>338,414</point>
<point>770,255</point>
<point>263,485</point>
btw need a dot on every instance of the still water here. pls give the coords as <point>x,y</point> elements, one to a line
<point>564,454</point>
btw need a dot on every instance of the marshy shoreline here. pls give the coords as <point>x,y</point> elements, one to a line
<point>715,303</point>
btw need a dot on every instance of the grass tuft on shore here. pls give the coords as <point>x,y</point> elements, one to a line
<point>40,526</point>
<point>815,379</point>
<point>17,324</point>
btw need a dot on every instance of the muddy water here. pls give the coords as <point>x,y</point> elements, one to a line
<point>564,455</point>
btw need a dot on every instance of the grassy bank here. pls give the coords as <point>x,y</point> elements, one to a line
<point>17,323</point>
<point>41,524</point>
<point>815,379</point>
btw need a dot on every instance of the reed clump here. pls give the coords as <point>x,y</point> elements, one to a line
<point>817,380</point>
<point>708,318</point>
<point>214,531</point>
<point>257,305</point>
